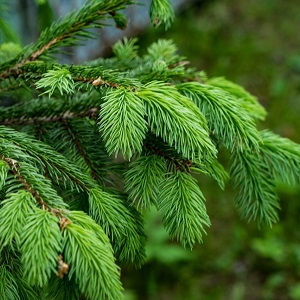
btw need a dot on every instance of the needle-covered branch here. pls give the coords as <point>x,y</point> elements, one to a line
<point>86,149</point>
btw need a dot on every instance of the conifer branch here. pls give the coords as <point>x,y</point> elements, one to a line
<point>64,33</point>
<point>181,204</point>
<point>180,164</point>
<point>257,198</point>
<point>14,166</point>
<point>91,113</point>
<point>80,148</point>
<point>167,118</point>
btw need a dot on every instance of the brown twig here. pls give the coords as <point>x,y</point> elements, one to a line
<point>91,113</point>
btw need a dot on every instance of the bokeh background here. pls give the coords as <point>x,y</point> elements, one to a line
<point>255,44</point>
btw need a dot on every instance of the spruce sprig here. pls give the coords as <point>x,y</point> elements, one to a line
<point>89,147</point>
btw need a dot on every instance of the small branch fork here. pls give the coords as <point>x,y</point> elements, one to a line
<point>182,165</point>
<point>80,149</point>
<point>13,164</point>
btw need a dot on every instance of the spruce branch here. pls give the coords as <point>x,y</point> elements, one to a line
<point>257,199</point>
<point>122,122</point>
<point>172,157</point>
<point>143,178</point>
<point>248,101</point>
<point>80,148</point>
<point>8,284</point>
<point>120,223</point>
<point>67,32</point>
<point>13,213</point>
<point>91,263</point>
<point>44,110</point>
<point>282,156</point>
<point>60,169</point>
<point>58,78</point>
<point>166,118</point>
<point>62,118</point>
<point>227,119</point>
<point>161,13</point>
<point>37,185</point>
<point>41,242</point>
<point>189,133</point>
<point>181,204</point>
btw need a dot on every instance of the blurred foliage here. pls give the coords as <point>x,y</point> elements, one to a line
<point>256,44</point>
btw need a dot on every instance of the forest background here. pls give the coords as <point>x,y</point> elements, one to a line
<point>255,44</point>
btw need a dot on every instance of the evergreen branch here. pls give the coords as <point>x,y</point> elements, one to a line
<point>46,110</point>
<point>96,160</point>
<point>41,241</point>
<point>62,118</point>
<point>227,118</point>
<point>249,102</point>
<point>59,168</point>
<point>163,51</point>
<point>181,204</point>
<point>36,184</point>
<point>65,32</point>
<point>126,51</point>
<point>10,268</point>
<point>58,78</point>
<point>143,178</point>
<point>4,168</point>
<point>122,122</point>
<point>84,77</point>
<point>103,165</point>
<point>160,63</point>
<point>13,213</point>
<point>80,148</point>
<point>180,126</point>
<point>213,169</point>
<point>85,221</point>
<point>174,161</point>
<point>168,154</point>
<point>161,13</point>
<point>8,284</point>
<point>91,263</point>
<point>61,289</point>
<point>282,156</point>
<point>120,223</point>
<point>257,198</point>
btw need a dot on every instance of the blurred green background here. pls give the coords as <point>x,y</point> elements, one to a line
<point>255,44</point>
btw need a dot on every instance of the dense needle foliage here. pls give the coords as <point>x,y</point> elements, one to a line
<point>87,148</point>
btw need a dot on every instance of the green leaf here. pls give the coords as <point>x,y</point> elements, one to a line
<point>181,204</point>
